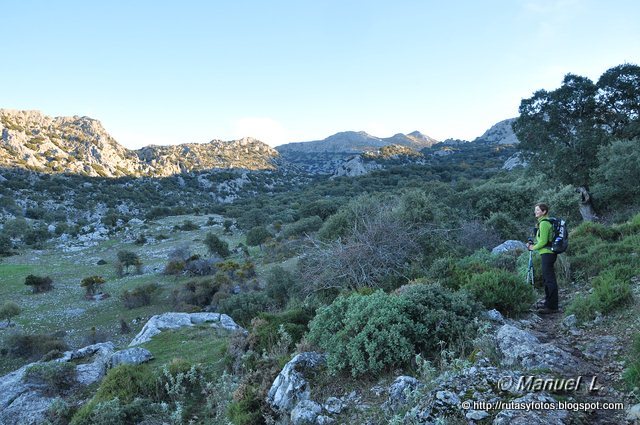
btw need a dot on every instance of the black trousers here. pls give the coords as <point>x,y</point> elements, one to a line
<point>549,279</point>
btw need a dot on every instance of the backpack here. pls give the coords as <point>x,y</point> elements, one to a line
<point>560,238</point>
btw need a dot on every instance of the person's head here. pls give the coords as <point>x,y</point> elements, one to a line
<point>540,210</point>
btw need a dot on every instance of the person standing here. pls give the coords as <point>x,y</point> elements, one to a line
<point>544,238</point>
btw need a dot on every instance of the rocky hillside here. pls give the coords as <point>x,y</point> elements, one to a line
<point>358,142</point>
<point>500,133</point>
<point>81,145</point>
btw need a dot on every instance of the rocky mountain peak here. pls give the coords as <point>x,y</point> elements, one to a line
<point>80,144</point>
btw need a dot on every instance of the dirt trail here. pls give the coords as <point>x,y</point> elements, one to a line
<point>598,357</point>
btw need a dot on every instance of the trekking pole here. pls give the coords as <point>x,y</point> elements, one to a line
<point>530,269</point>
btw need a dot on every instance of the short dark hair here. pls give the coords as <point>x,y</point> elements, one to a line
<point>543,207</point>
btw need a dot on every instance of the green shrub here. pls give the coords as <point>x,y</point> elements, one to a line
<point>364,333</point>
<point>58,377</point>
<point>215,245</point>
<point>244,307</point>
<point>522,266</point>
<point>9,310</point>
<point>632,372</point>
<point>611,290</point>
<point>501,290</point>
<point>264,331</point>
<point>257,236</point>
<point>505,226</point>
<point>91,284</point>
<point>126,382</point>
<point>303,226</point>
<point>597,255</point>
<point>33,346</point>
<point>281,285</point>
<point>198,293</point>
<point>110,412</point>
<point>247,410</point>
<point>444,317</point>
<point>187,226</point>
<point>140,296</point>
<point>6,246</point>
<point>39,283</point>
<point>322,208</point>
<point>369,333</point>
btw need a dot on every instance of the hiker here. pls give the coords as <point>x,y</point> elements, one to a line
<point>544,239</point>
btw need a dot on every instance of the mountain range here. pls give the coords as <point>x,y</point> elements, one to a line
<point>81,145</point>
<point>358,142</point>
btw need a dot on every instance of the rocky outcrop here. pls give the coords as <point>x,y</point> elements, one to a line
<point>499,134</point>
<point>29,139</point>
<point>133,356</point>
<point>509,246</point>
<point>24,402</point>
<point>354,167</point>
<point>514,161</point>
<point>158,323</point>
<point>522,349</point>
<point>290,386</point>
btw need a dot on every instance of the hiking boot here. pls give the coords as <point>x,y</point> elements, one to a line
<point>546,310</point>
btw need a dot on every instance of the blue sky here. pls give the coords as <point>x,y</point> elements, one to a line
<point>156,72</point>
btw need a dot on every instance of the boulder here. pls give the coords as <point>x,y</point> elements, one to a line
<point>134,356</point>
<point>26,403</point>
<point>633,414</point>
<point>602,347</point>
<point>495,316</point>
<point>290,387</point>
<point>334,405</point>
<point>158,323</point>
<point>400,391</point>
<point>509,246</point>
<point>306,412</point>
<point>522,349</point>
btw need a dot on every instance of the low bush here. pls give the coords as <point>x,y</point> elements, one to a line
<point>39,283</point>
<point>611,290</point>
<point>370,333</point>
<point>91,284</point>
<point>244,307</point>
<point>247,410</point>
<point>444,316</point>
<point>58,377</point>
<point>215,245</point>
<point>187,226</point>
<point>632,372</point>
<point>501,290</point>
<point>265,328</point>
<point>140,296</point>
<point>303,226</point>
<point>33,346</point>
<point>197,293</point>
<point>281,285</point>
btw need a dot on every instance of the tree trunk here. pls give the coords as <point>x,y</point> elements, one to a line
<point>587,211</point>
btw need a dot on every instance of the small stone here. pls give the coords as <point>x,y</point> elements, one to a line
<point>333,405</point>
<point>570,321</point>
<point>448,397</point>
<point>633,414</point>
<point>476,415</point>
<point>495,316</point>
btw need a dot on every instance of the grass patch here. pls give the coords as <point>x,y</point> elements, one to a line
<point>196,345</point>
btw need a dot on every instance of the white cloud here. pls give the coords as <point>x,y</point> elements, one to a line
<point>264,129</point>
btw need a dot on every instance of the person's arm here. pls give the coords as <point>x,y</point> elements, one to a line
<point>543,239</point>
